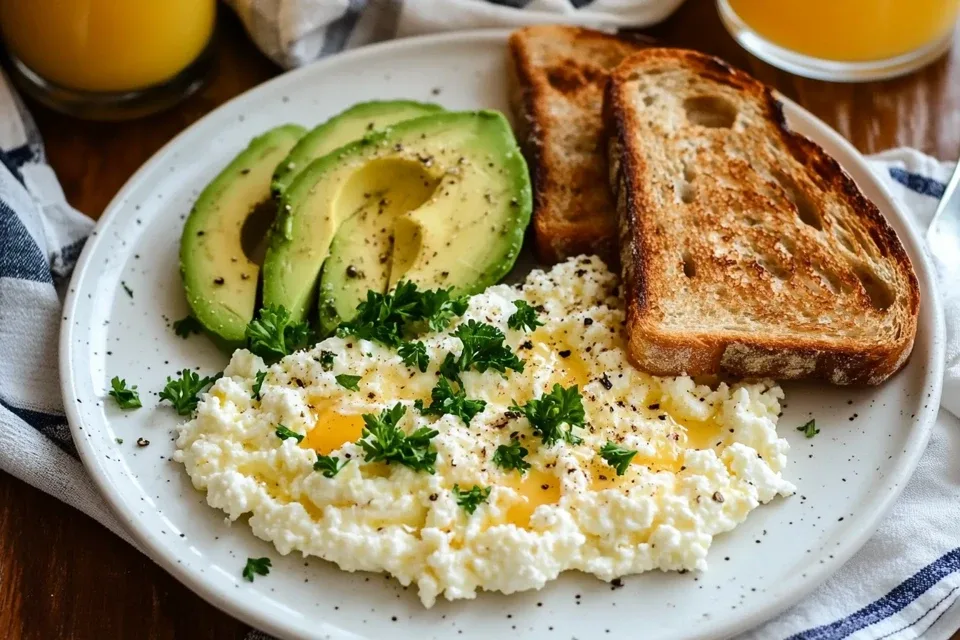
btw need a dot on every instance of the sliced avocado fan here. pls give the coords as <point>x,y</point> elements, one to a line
<point>344,128</point>
<point>441,200</point>
<point>219,279</point>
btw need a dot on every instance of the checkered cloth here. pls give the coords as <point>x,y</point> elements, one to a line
<point>904,583</point>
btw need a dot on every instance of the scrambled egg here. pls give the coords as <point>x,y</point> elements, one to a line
<point>706,457</point>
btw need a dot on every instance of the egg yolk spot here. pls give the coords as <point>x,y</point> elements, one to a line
<point>569,368</point>
<point>535,487</point>
<point>332,430</point>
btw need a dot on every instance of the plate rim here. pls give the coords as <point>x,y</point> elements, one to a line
<point>262,619</point>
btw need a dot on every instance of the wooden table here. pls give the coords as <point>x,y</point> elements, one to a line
<point>63,575</point>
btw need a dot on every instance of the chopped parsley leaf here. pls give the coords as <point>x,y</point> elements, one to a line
<point>274,334</point>
<point>187,326</point>
<point>617,457</point>
<point>524,318</point>
<point>348,381</point>
<point>809,429</point>
<point>445,399</point>
<point>382,316</point>
<point>383,441</point>
<point>437,308</point>
<point>551,411</point>
<point>472,499</point>
<point>326,359</point>
<point>511,456</point>
<point>483,349</point>
<point>414,355</point>
<point>184,392</point>
<point>126,398</point>
<point>256,566</point>
<point>284,434</point>
<point>329,465</point>
<point>258,384</point>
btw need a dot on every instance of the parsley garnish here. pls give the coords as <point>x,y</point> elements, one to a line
<point>548,413</point>
<point>326,359</point>
<point>126,398</point>
<point>381,316</point>
<point>348,381</point>
<point>256,566</point>
<point>446,399</point>
<point>437,308</point>
<point>511,456</point>
<point>258,384</point>
<point>809,429</point>
<point>274,334</point>
<point>617,457</point>
<point>283,433</point>
<point>330,466</point>
<point>383,441</point>
<point>185,327</point>
<point>414,354</point>
<point>483,349</point>
<point>524,318</point>
<point>184,393</point>
<point>472,499</point>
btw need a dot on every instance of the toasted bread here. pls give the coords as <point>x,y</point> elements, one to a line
<point>745,248</point>
<point>559,73</point>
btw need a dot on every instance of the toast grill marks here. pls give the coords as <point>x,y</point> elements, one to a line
<point>745,248</point>
<point>559,76</point>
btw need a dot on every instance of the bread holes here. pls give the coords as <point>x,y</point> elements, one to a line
<point>712,112</point>
<point>832,280</point>
<point>685,189</point>
<point>774,268</point>
<point>565,80</point>
<point>881,297</point>
<point>806,209</point>
<point>789,246</point>
<point>844,238</point>
<point>689,266</point>
<point>649,100</point>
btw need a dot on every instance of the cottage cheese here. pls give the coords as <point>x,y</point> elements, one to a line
<point>707,455</point>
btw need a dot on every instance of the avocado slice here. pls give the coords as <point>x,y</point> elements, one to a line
<point>343,128</point>
<point>452,188</point>
<point>219,279</point>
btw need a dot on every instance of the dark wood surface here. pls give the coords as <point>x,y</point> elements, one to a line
<point>62,575</point>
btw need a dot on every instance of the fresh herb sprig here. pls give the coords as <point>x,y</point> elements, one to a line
<point>256,567</point>
<point>329,465</point>
<point>446,399</point>
<point>483,349</point>
<point>382,316</point>
<point>617,457</point>
<point>285,434</point>
<point>274,334</point>
<point>549,413</point>
<point>809,429</point>
<point>258,384</point>
<point>525,317</point>
<point>414,354</point>
<point>326,359</point>
<point>184,392</point>
<point>187,326</point>
<point>383,441</point>
<point>511,456</point>
<point>127,398</point>
<point>348,381</point>
<point>438,308</point>
<point>471,499</point>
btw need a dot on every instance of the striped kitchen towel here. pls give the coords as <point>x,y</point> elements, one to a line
<point>903,584</point>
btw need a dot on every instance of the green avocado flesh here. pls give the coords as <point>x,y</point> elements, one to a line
<point>441,200</point>
<point>219,279</point>
<point>344,128</point>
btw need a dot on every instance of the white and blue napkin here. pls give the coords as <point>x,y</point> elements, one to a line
<point>905,583</point>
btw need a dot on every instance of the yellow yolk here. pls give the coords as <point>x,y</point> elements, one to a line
<point>569,370</point>
<point>699,435</point>
<point>535,488</point>
<point>332,430</point>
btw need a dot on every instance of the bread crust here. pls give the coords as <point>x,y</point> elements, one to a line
<point>663,352</point>
<point>574,212</point>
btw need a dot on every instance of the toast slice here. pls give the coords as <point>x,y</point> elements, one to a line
<point>745,248</point>
<point>559,73</point>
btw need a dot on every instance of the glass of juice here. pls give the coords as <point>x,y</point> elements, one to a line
<point>108,59</point>
<point>843,40</point>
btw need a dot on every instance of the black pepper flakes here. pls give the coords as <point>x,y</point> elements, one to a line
<point>218,281</point>
<point>142,442</point>
<point>605,381</point>
<point>565,353</point>
<point>717,496</point>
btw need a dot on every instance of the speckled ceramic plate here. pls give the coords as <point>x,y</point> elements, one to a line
<point>848,476</point>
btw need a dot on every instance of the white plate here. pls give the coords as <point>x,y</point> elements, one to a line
<point>848,476</point>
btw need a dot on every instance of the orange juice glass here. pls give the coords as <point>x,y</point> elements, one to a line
<point>843,40</point>
<point>108,59</point>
